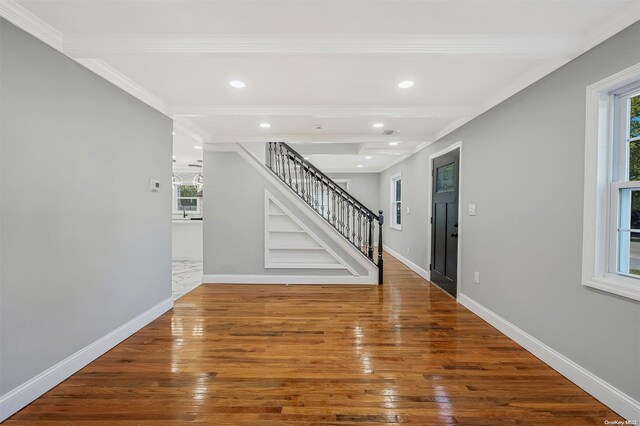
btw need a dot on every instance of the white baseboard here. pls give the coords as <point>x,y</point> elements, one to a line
<point>288,279</point>
<point>615,399</point>
<point>415,268</point>
<point>24,394</point>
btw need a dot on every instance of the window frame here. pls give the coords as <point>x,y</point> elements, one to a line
<point>176,198</point>
<point>602,185</point>
<point>393,223</point>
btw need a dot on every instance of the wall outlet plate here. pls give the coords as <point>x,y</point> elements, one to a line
<point>476,277</point>
<point>472,209</point>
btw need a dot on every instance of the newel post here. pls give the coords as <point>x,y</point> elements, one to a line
<point>380,263</point>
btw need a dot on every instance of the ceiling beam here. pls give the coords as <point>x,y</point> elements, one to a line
<point>322,139</point>
<point>324,111</point>
<point>528,45</point>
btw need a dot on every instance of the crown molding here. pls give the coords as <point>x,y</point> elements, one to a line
<point>27,21</point>
<point>326,111</point>
<point>114,76</point>
<point>527,45</point>
<point>611,26</point>
<point>191,129</point>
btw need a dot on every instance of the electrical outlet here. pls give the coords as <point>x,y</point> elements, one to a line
<point>472,209</point>
<point>476,277</point>
<point>408,210</point>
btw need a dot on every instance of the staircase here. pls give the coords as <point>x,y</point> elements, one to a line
<point>349,217</point>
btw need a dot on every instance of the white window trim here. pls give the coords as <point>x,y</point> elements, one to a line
<point>598,189</point>
<point>190,212</point>
<point>392,202</point>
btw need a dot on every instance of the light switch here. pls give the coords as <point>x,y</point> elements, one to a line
<point>472,209</point>
<point>408,210</point>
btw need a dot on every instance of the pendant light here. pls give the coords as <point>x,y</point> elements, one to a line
<point>198,182</point>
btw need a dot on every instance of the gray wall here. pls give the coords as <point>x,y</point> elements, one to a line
<point>85,246</point>
<point>523,165</point>
<point>364,186</point>
<point>234,231</point>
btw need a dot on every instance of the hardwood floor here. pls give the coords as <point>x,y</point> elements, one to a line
<point>254,355</point>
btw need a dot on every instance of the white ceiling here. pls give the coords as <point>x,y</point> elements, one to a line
<point>336,64</point>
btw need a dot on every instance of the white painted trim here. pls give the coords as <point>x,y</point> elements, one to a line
<point>115,77</point>
<point>512,45</point>
<point>612,397</point>
<point>269,198</point>
<point>287,279</point>
<point>27,21</point>
<point>413,266</point>
<point>24,394</point>
<point>597,178</point>
<point>452,147</point>
<point>325,110</point>
<point>304,208</point>
<point>392,201</point>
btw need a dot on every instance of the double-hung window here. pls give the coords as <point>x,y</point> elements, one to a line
<point>187,199</point>
<point>611,237</point>
<point>396,201</point>
<point>625,186</point>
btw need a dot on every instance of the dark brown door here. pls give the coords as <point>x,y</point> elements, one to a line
<point>444,221</point>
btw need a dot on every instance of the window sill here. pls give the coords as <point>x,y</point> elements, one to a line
<point>396,227</point>
<point>616,284</point>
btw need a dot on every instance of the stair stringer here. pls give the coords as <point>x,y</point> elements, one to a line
<point>371,276</point>
<point>295,238</point>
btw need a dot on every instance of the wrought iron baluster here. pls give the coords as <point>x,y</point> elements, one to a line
<point>360,231</point>
<point>353,227</point>
<point>282,164</point>
<point>370,252</point>
<point>334,207</point>
<point>289,169</point>
<point>322,200</point>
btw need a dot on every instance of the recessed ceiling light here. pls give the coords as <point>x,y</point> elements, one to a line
<point>306,158</point>
<point>265,125</point>
<point>368,157</point>
<point>174,156</point>
<point>359,166</point>
<point>237,84</point>
<point>405,84</point>
<point>197,147</point>
<point>393,143</point>
<point>378,125</point>
<point>173,133</point>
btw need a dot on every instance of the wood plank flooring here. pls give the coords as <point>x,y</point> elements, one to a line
<point>256,355</point>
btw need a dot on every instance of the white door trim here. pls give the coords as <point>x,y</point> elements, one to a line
<point>452,147</point>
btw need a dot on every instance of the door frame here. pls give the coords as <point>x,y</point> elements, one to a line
<point>452,147</point>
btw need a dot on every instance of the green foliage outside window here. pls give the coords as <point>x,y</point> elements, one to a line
<point>188,191</point>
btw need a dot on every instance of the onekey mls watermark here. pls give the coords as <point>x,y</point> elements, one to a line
<point>621,422</point>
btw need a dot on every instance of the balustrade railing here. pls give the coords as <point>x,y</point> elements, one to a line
<point>352,219</point>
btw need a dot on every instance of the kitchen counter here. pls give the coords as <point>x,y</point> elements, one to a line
<point>187,239</point>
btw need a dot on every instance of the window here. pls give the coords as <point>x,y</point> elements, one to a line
<point>187,199</point>
<point>396,201</point>
<point>611,239</point>
<point>625,186</point>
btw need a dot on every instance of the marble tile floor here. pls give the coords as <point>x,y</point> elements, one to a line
<point>186,275</point>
